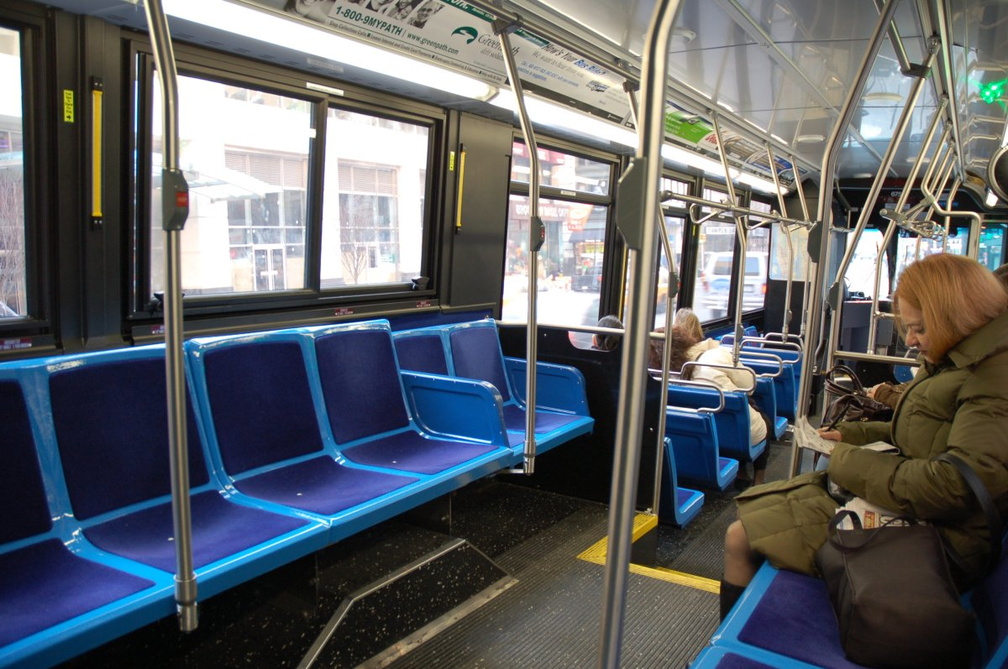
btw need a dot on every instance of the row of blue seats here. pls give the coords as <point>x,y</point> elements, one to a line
<point>296,439</point>
<point>708,429</point>
<point>785,619</point>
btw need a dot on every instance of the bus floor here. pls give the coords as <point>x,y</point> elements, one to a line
<point>543,612</point>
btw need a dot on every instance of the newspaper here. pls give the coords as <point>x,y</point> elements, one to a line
<point>807,436</point>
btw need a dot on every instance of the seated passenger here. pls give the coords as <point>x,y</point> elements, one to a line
<point>685,348</point>
<point>889,393</point>
<point>953,310</point>
<point>687,319</point>
<point>607,342</point>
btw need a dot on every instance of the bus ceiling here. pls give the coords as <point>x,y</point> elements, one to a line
<point>774,72</point>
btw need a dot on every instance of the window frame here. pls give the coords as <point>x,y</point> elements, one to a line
<point>34,327</point>
<point>610,267</point>
<point>229,71</point>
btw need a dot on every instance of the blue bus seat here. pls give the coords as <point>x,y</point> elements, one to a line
<point>366,409</point>
<point>474,352</point>
<point>784,619</point>
<point>270,444</point>
<point>765,397</point>
<point>57,597</point>
<point>694,440</point>
<point>784,384</point>
<point>733,421</point>
<point>678,504</point>
<point>421,350</point>
<point>110,408</point>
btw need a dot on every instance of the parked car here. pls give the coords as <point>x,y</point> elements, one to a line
<point>715,281</point>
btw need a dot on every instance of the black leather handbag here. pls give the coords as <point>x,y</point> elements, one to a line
<point>851,404</point>
<point>892,592</point>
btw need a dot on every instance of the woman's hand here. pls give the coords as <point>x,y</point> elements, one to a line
<point>830,435</point>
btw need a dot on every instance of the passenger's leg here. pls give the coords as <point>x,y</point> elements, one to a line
<point>759,467</point>
<point>741,563</point>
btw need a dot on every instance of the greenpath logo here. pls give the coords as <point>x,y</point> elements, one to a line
<point>470,32</point>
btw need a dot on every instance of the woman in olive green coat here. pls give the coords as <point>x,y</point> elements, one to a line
<point>952,310</point>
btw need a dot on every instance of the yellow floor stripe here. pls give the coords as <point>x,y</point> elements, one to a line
<point>644,523</point>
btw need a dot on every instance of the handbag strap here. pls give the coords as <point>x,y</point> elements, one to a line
<point>986,503</point>
<point>858,387</point>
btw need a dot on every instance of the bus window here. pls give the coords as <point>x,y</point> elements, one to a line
<point>860,276</point>
<point>372,214</point>
<point>716,247</point>
<point>245,231</point>
<point>755,280</point>
<point>574,207</point>
<point>13,269</point>
<point>779,254</point>
<point>562,170</point>
<point>992,241</point>
<point>570,262</point>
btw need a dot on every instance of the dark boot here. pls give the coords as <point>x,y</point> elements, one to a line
<point>730,594</point>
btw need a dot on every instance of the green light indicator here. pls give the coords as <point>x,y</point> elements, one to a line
<point>992,92</point>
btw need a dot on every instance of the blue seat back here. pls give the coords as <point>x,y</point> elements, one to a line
<point>476,354</point>
<point>732,421</point>
<point>22,494</point>
<point>260,400</point>
<point>421,351</point>
<point>110,417</point>
<point>361,389</point>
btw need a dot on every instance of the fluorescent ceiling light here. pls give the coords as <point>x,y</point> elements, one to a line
<point>882,96</point>
<point>299,35</point>
<point>810,139</point>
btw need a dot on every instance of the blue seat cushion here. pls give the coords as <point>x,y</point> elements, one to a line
<point>794,618</point>
<point>22,496</point>
<point>546,421</point>
<point>476,354</point>
<point>321,485</point>
<point>219,529</point>
<point>45,584</point>
<point>411,452</point>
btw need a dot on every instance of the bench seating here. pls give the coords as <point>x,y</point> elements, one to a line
<point>295,439</point>
<point>472,351</point>
<point>339,444</point>
<point>100,427</point>
<point>784,619</point>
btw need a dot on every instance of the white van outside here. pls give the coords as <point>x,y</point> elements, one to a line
<point>715,280</point>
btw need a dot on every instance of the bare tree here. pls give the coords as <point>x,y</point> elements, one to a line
<point>356,236</point>
<point>12,242</point>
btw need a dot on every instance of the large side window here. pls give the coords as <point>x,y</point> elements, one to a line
<point>13,267</point>
<point>257,229</point>
<point>244,154</point>
<point>716,248</point>
<point>372,212</point>
<point>574,208</point>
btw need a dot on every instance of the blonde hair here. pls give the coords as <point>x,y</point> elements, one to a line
<point>956,296</point>
<point>686,319</point>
